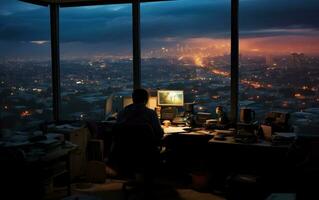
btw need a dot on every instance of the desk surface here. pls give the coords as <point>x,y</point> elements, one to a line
<point>194,131</point>
<point>186,131</point>
<point>261,143</point>
<point>229,139</point>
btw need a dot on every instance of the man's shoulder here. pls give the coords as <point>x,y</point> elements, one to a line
<point>150,110</point>
<point>130,106</point>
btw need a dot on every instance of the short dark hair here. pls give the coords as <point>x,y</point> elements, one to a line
<point>140,96</point>
<point>220,107</point>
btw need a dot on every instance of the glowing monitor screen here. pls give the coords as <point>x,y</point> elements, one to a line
<point>170,97</point>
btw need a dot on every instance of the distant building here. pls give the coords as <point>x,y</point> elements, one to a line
<point>270,60</point>
<point>297,60</point>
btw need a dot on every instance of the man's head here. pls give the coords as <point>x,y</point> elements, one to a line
<point>219,110</point>
<point>140,96</point>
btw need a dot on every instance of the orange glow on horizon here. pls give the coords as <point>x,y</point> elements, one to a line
<point>260,45</point>
<point>198,60</point>
<point>219,72</point>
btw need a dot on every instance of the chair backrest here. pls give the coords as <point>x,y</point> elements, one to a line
<point>134,147</point>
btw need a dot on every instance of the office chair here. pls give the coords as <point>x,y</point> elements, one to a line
<point>303,162</point>
<point>134,156</point>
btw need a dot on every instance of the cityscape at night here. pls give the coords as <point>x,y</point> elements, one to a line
<point>283,82</point>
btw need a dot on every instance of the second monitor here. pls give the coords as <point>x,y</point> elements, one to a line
<point>170,98</point>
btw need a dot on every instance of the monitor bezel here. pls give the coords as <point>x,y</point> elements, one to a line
<point>158,98</point>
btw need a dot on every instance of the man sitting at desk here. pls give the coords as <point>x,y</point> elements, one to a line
<point>138,113</point>
<point>222,119</point>
<point>221,115</point>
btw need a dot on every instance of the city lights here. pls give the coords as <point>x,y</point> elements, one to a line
<point>25,113</point>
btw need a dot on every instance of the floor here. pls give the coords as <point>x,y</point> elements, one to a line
<point>112,190</point>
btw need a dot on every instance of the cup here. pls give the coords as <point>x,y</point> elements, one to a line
<point>166,123</point>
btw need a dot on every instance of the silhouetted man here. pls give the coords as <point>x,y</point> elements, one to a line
<point>138,113</point>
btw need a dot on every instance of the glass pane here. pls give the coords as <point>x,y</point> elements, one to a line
<point>279,57</point>
<point>96,59</point>
<point>25,66</point>
<point>186,46</point>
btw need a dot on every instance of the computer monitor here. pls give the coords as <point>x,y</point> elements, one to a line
<point>170,97</point>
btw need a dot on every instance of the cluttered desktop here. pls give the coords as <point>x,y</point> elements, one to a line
<point>179,117</point>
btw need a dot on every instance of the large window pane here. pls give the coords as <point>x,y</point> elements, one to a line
<point>279,56</point>
<point>96,56</point>
<point>25,66</point>
<point>186,46</point>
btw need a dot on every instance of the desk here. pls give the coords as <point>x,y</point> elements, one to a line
<point>200,151</point>
<point>27,166</point>
<point>184,150</point>
<point>54,163</point>
<point>231,141</point>
<point>263,159</point>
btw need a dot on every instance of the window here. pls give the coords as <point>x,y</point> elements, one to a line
<point>96,58</point>
<point>279,61</point>
<point>186,46</point>
<point>25,75</point>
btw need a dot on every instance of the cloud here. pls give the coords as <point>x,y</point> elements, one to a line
<point>39,42</point>
<point>162,23</point>
<point>8,7</point>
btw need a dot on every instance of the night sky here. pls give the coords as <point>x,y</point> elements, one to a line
<point>266,26</point>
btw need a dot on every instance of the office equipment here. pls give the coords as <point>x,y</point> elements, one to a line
<point>28,171</point>
<point>170,97</point>
<point>247,115</point>
<point>278,121</point>
<point>201,118</point>
<point>225,132</point>
<point>211,122</point>
<point>179,120</point>
<point>189,114</point>
<point>189,108</point>
<point>168,113</point>
<point>244,136</point>
<point>277,117</point>
<point>79,135</point>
